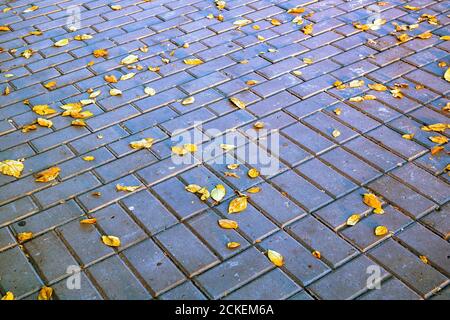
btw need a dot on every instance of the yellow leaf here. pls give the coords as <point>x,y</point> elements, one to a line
<point>11,168</point>
<point>218,193</point>
<point>28,127</point>
<point>308,60</point>
<point>30,9</point>
<point>403,37</point>
<point>437,127</point>
<point>372,201</point>
<point>24,236</point>
<point>193,188</point>
<point>251,82</point>
<point>231,174</point>
<point>381,231</point>
<point>336,133</point>
<point>150,91</point>
<point>187,101</point>
<point>253,173</point>
<point>425,35</point>
<point>337,111</point>
<point>238,103</point>
<point>50,85</point>
<point>228,224</point>
<point>409,7</point>
<point>193,62</point>
<point>111,241</point>
<point>233,166</point>
<point>61,43</point>
<point>316,254</point>
<point>179,150</point>
<point>445,38</point>
<point>275,22</point>
<point>120,187</point>
<point>141,144</point>
<point>204,194</point>
<point>81,37</point>
<point>5,28</point>
<point>116,7</point>
<point>78,123</point>
<point>237,205</point>
<point>127,76</point>
<point>356,83</point>
<point>115,92</point>
<point>48,175</point>
<point>447,75</point>
<point>258,125</point>
<point>424,259</point>
<point>153,69</point>
<point>254,190</point>
<point>88,221</point>
<point>356,99</point>
<point>242,22</point>
<point>308,29</point>
<point>44,122</point>
<point>45,293</point>
<point>8,296</point>
<point>129,59</point>
<point>111,78</point>
<point>227,147</point>
<point>233,245</point>
<point>377,87</point>
<point>27,53</point>
<point>436,150</point>
<point>190,147</point>
<point>296,10</point>
<point>408,136</point>
<point>353,219</point>
<point>43,110</point>
<point>100,53</point>
<point>276,258</point>
<point>439,139</point>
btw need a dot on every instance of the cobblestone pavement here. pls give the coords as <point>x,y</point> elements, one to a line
<point>171,244</point>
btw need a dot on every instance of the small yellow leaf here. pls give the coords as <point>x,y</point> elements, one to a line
<point>227,147</point>
<point>120,187</point>
<point>353,219</point>
<point>237,205</point>
<point>5,28</point>
<point>412,8</point>
<point>436,150</point>
<point>141,144</point>
<point>50,85</point>
<point>127,76</point>
<point>275,22</point>
<point>187,101</point>
<point>150,91</point>
<point>254,190</point>
<point>233,166</point>
<point>445,38</point>
<point>24,236</point>
<point>238,103</point>
<point>129,59</point>
<point>308,29</point>
<point>43,110</point>
<point>111,241</point>
<point>115,92</point>
<point>193,188</point>
<point>253,173</point>
<point>111,78</point>
<point>81,37</point>
<point>179,150</point>
<point>95,94</point>
<point>372,201</point>
<point>251,82</point>
<point>437,127</point>
<point>89,221</point>
<point>337,111</point>
<point>8,296</point>
<point>45,293</point>
<point>48,175</point>
<point>204,194</point>
<point>381,231</point>
<point>28,127</point>
<point>193,62</point>
<point>408,136</point>
<point>11,168</point>
<point>218,193</point>
<point>439,139</point>
<point>308,60</point>
<point>61,43</point>
<point>27,53</point>
<point>276,258</point>
<point>44,122</point>
<point>30,9</point>
<point>233,245</point>
<point>116,7</point>
<point>424,259</point>
<point>258,125</point>
<point>336,133</point>
<point>316,254</point>
<point>242,22</point>
<point>447,75</point>
<point>190,147</point>
<point>425,35</point>
<point>377,87</point>
<point>228,224</point>
<point>78,123</point>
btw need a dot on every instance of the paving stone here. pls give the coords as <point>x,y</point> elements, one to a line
<point>391,289</point>
<point>186,291</point>
<point>17,210</point>
<point>438,220</point>
<point>6,239</point>
<point>181,243</point>
<point>348,281</point>
<point>408,268</point>
<point>86,292</point>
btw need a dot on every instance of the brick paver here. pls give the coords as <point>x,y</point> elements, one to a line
<point>171,245</point>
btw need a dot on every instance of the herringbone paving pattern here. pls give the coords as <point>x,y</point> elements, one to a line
<point>332,149</point>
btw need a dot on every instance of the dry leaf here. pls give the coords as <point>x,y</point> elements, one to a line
<point>81,37</point>
<point>409,7</point>
<point>237,205</point>
<point>29,127</point>
<point>251,82</point>
<point>227,147</point>
<point>436,150</point>
<point>233,245</point>
<point>218,193</point>
<point>308,29</point>
<point>254,190</point>
<point>111,78</point>
<point>447,75</point>
<point>120,187</point>
<point>336,133</point>
<point>356,83</point>
<point>45,293</point>
<point>276,258</point>
<point>238,103</point>
<point>127,76</point>
<point>116,7</point>
<point>437,127</point>
<point>296,10</point>
<point>242,22</point>
<point>231,174</point>
<point>129,59</point>
<point>78,123</point>
<point>48,175</point>
<point>258,125</point>
<point>377,87</point>
<point>115,92</point>
<point>89,221</point>
<point>204,194</point>
<point>24,236</point>
<point>4,28</point>
<point>308,60</point>
<point>61,43</point>
<point>275,22</point>
<point>193,188</point>
<point>179,150</point>
<point>88,158</point>
<point>11,168</point>
<point>381,231</point>
<point>316,254</point>
<point>27,53</point>
<point>44,122</point>
<point>253,173</point>
<point>187,101</point>
<point>353,219</point>
<point>30,9</point>
<point>424,259</point>
<point>439,139</point>
<point>43,110</point>
<point>408,136</point>
<point>193,62</point>
<point>8,296</point>
<point>111,241</point>
<point>228,224</point>
<point>425,35</point>
<point>143,143</point>
<point>150,91</point>
<point>190,147</point>
<point>233,166</point>
<point>372,201</point>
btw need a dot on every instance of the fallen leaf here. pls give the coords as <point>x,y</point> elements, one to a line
<point>187,101</point>
<point>253,173</point>
<point>372,201</point>
<point>437,127</point>
<point>308,60</point>
<point>377,87</point>
<point>150,91</point>
<point>89,221</point>
<point>242,22</point>
<point>5,28</point>
<point>296,10</point>
<point>276,258</point>
<point>445,38</point>
<point>24,236</point>
<point>231,174</point>
<point>251,82</point>
<point>233,245</point>
<point>179,150</point>
<point>337,111</point>
<point>48,175</point>
<point>227,147</point>
<point>237,205</point>
<point>78,123</point>
<point>353,219</point>
<point>275,22</point>
<point>88,158</point>
<point>94,94</point>
<point>111,78</point>
<point>44,122</point>
<point>45,293</point>
<point>192,62</point>
<point>129,59</point>
<point>424,259</point>
<point>28,127</point>
<point>111,241</point>
<point>439,139</point>
<point>30,9</point>
<point>336,133</point>
<point>356,84</point>
<point>436,150</point>
<point>193,188</point>
<point>204,194</point>
<point>218,193</point>
<point>381,231</point>
<point>447,75</point>
<point>154,69</point>
<point>127,76</point>
<point>116,7</point>
<point>43,110</point>
<point>8,296</point>
<point>238,103</point>
<point>254,190</point>
<point>61,43</point>
<point>412,8</point>
<point>11,168</point>
<point>258,125</point>
<point>120,187</point>
<point>115,92</point>
<point>316,254</point>
<point>425,35</point>
<point>143,143</point>
<point>308,29</point>
<point>233,166</point>
<point>81,37</point>
<point>27,53</point>
<point>190,147</point>
<point>228,224</point>
<point>408,136</point>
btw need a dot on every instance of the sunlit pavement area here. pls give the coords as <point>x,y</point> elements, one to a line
<point>95,95</point>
